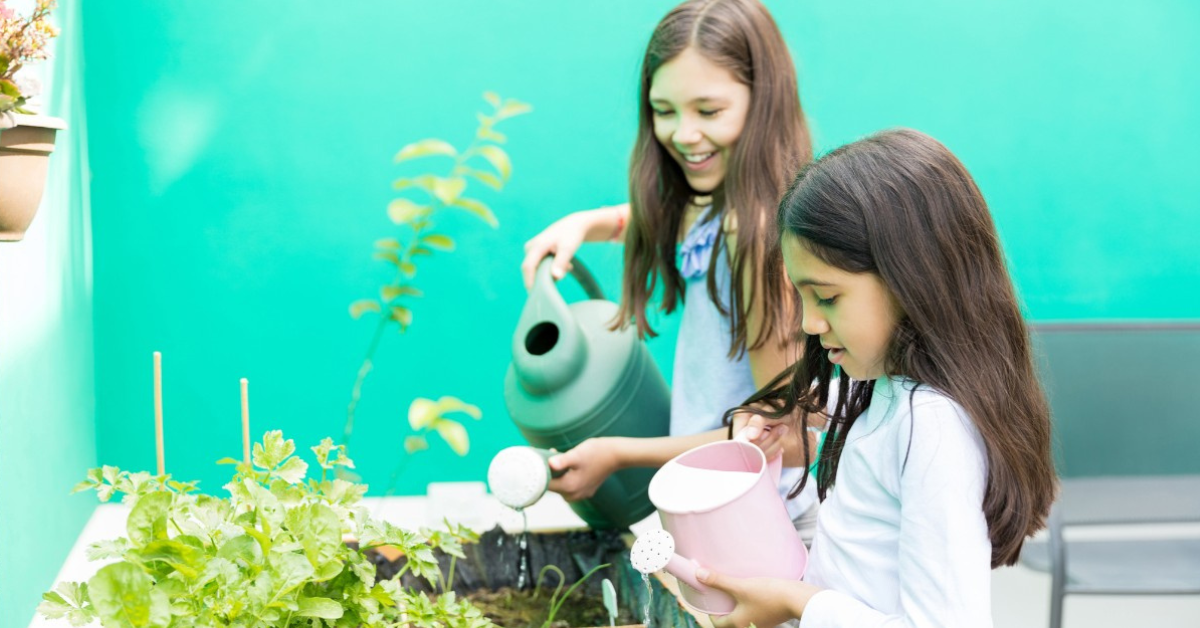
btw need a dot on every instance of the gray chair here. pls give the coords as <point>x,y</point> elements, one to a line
<point>1126,410</point>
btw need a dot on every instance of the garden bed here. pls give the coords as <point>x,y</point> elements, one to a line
<point>493,578</point>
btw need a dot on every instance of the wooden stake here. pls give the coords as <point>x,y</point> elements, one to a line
<point>158,412</point>
<point>245,421</point>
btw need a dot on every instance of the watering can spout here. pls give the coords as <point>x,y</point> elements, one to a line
<point>655,551</point>
<point>549,348</point>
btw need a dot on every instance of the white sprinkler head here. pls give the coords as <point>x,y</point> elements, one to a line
<point>652,551</point>
<point>518,476</point>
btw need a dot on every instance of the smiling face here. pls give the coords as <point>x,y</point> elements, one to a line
<point>853,314</point>
<point>699,111</point>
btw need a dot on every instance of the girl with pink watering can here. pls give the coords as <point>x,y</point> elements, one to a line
<point>720,130</point>
<point>937,462</point>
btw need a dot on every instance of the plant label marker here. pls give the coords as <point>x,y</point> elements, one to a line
<point>245,421</point>
<point>158,412</point>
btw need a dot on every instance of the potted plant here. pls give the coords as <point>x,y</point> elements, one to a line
<point>26,140</point>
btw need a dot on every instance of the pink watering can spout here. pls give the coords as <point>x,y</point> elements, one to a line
<point>721,509</point>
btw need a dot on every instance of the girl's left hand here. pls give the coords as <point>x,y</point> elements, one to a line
<point>763,602</point>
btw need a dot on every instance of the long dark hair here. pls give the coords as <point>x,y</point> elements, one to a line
<point>741,36</point>
<point>899,205</point>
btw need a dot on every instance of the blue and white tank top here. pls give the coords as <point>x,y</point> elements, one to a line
<point>706,381</point>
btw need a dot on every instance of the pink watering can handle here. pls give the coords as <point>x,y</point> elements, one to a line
<point>774,465</point>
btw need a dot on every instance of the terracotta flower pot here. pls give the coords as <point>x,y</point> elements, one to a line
<point>24,159</point>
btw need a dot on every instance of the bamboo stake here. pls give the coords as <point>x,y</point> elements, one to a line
<point>245,421</point>
<point>158,412</point>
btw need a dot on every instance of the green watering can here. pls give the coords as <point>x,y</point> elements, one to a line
<point>573,378</point>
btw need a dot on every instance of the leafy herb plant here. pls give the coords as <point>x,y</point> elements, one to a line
<point>270,555</point>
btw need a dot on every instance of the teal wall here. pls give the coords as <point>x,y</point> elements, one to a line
<point>47,391</point>
<point>242,160</point>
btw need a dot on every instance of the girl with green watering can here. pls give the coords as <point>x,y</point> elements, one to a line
<point>720,128</point>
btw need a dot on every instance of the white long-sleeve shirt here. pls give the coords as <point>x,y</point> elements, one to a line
<point>904,543</point>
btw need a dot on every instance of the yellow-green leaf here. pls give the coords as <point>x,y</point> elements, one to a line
<point>438,241</point>
<point>425,148</point>
<point>455,435</point>
<point>391,292</point>
<point>498,158</point>
<point>422,413</point>
<point>403,210</point>
<point>479,209</point>
<point>420,250</point>
<point>492,98</point>
<point>402,315</point>
<point>454,404</point>
<point>447,190</point>
<point>409,268</point>
<point>487,179</point>
<point>413,444</point>
<point>358,308</point>
<point>390,244</point>
<point>488,134</point>
<point>513,108</point>
<point>389,256</point>
<point>424,181</point>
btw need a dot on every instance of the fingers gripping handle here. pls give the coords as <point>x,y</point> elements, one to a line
<point>774,465</point>
<point>580,272</point>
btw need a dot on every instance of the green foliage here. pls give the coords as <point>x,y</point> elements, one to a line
<point>269,555</point>
<point>426,195</point>
<point>556,601</point>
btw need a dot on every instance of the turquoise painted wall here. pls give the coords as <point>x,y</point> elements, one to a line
<point>242,161</point>
<point>47,389</point>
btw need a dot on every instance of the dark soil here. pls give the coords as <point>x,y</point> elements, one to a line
<point>513,608</point>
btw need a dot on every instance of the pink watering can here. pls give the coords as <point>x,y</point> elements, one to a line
<point>720,509</point>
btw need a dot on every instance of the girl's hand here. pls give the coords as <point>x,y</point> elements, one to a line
<point>760,601</point>
<point>766,434</point>
<point>584,468</point>
<point>563,238</point>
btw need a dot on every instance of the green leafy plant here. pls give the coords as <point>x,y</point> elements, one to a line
<point>556,601</point>
<point>424,197</point>
<point>269,555</point>
<point>22,39</point>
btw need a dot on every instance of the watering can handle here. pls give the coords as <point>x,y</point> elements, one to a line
<point>580,272</point>
<point>774,465</point>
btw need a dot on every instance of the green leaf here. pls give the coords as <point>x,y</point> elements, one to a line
<point>358,308</point>
<point>487,179</point>
<point>422,413</point>
<point>486,133</point>
<point>454,404</point>
<point>388,256</point>
<point>420,250</point>
<point>125,597</point>
<point>448,190</point>
<point>322,607</point>
<point>292,471</point>
<point>273,450</point>
<point>409,268</point>
<point>425,148</point>
<point>319,531</point>
<point>492,98</point>
<point>498,158</point>
<point>403,210</point>
<point>390,244</point>
<point>148,519</point>
<point>478,208</point>
<point>179,556</point>
<point>438,241</point>
<point>8,88</point>
<point>513,108</point>
<point>68,600</point>
<point>104,550</point>
<point>454,434</point>
<point>402,315</point>
<point>610,600</point>
<point>413,444</point>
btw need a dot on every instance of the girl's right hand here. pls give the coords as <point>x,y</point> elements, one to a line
<point>584,468</point>
<point>766,434</point>
<point>563,238</point>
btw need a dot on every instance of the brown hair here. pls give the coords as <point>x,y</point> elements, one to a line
<point>899,205</point>
<point>741,36</point>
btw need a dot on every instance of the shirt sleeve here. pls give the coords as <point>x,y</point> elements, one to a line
<point>944,565</point>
